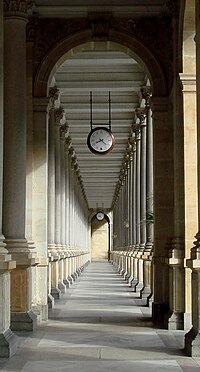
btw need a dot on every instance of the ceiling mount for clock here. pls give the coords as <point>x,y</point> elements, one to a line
<point>100,140</point>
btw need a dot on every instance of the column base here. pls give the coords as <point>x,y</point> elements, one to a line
<point>67,283</point>
<point>174,320</point>
<point>51,301</point>
<point>192,343</point>
<point>56,293</point>
<point>139,286</point>
<point>158,312</point>
<point>134,284</point>
<point>74,276</point>
<point>43,309</point>
<point>146,293</point>
<point>130,280</point>
<point>8,344</point>
<point>62,287</point>
<point>70,279</point>
<point>23,321</point>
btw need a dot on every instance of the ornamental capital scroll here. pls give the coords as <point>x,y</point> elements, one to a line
<point>146,93</point>
<point>141,115</point>
<point>59,116</point>
<point>64,131</point>
<point>53,96</point>
<point>18,8</point>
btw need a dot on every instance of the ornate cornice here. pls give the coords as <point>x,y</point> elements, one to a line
<point>18,8</point>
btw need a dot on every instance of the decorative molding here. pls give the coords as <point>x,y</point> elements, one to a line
<point>17,7</point>
<point>100,25</point>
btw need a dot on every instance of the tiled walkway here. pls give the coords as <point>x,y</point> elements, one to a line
<point>99,325</point>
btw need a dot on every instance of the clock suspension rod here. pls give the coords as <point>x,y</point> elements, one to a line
<point>91,110</point>
<point>109,114</point>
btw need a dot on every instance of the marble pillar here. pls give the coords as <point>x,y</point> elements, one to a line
<point>39,197</point>
<point>15,19</point>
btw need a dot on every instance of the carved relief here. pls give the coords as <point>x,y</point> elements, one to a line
<point>17,6</point>
<point>100,25</point>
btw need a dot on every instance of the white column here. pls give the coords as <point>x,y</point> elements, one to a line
<point>14,198</point>
<point>53,254</point>
<point>147,254</point>
<point>7,338</point>
<point>40,198</point>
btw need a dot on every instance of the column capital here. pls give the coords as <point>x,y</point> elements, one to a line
<point>146,93</point>
<point>141,115</point>
<point>17,8</point>
<point>53,96</point>
<point>64,131</point>
<point>59,116</point>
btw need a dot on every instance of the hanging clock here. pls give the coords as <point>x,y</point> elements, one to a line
<point>100,216</point>
<point>101,140</point>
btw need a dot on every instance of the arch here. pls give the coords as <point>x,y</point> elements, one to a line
<point>127,43</point>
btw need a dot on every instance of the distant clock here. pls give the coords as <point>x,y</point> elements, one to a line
<point>100,216</point>
<point>100,140</point>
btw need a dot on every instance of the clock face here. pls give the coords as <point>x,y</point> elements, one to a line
<point>100,216</point>
<point>100,140</point>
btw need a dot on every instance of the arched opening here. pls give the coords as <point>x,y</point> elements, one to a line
<point>49,74</point>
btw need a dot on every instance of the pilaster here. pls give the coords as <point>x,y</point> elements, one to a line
<point>163,203</point>
<point>192,338</point>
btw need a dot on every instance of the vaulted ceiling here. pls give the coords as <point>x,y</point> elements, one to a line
<point>100,68</point>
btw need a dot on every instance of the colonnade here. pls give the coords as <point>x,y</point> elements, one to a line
<point>133,229</point>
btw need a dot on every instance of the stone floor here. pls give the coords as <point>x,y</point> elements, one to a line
<point>99,325</point>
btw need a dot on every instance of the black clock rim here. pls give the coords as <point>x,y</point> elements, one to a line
<point>95,151</point>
